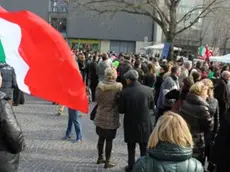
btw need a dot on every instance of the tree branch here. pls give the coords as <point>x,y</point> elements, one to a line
<point>202,14</point>
<point>189,13</point>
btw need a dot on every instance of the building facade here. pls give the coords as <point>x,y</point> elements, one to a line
<point>189,40</point>
<point>216,30</point>
<point>86,29</point>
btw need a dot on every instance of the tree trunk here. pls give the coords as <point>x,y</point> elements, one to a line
<point>225,46</point>
<point>172,30</point>
<point>170,39</point>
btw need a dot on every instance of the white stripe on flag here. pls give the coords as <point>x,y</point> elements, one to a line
<point>10,35</point>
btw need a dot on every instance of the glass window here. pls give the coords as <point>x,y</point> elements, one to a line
<point>60,24</point>
<point>58,6</point>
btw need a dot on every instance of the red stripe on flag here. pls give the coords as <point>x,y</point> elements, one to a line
<point>53,73</point>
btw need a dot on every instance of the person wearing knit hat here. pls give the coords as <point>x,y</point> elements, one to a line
<point>131,75</point>
<point>135,102</point>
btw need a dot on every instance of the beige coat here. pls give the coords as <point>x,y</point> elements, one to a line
<point>107,116</point>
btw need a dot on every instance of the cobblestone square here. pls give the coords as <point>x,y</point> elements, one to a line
<point>47,152</point>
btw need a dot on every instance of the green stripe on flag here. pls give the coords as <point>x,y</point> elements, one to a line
<point>2,53</point>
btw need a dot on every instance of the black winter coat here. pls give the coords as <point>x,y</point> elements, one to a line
<point>214,112</point>
<point>122,69</point>
<point>221,149</point>
<point>149,80</point>
<point>135,102</point>
<point>222,94</point>
<point>8,79</point>
<point>93,74</point>
<point>158,84</point>
<point>141,74</point>
<point>11,138</point>
<point>196,113</point>
<point>82,67</point>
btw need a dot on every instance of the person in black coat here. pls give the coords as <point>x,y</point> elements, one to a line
<point>135,102</point>
<point>137,67</point>
<point>82,65</point>
<point>221,93</point>
<point>11,137</point>
<point>8,79</point>
<point>195,111</point>
<point>93,76</point>
<point>164,69</point>
<point>220,157</point>
<point>214,112</point>
<point>123,68</point>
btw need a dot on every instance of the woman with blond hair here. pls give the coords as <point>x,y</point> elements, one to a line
<point>214,112</point>
<point>195,111</point>
<point>170,148</point>
<point>107,115</point>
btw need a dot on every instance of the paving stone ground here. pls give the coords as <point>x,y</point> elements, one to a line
<point>46,152</point>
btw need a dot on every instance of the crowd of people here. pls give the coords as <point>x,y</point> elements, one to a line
<point>190,101</point>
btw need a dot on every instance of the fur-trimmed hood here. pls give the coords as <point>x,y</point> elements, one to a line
<point>110,86</point>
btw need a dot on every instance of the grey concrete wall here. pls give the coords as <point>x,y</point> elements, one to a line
<point>39,7</point>
<point>122,26</point>
<point>85,24</point>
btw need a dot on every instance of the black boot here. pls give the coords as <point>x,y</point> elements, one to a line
<point>108,150</point>
<point>100,147</point>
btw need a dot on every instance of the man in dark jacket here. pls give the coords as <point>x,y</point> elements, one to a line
<point>170,83</point>
<point>8,79</point>
<point>136,100</point>
<point>93,76</point>
<point>137,67</point>
<point>222,94</point>
<point>163,70</point>
<point>11,137</point>
<point>124,67</point>
<point>220,156</point>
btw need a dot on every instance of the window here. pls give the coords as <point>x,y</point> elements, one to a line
<point>122,46</point>
<point>58,6</point>
<point>60,24</point>
<point>84,44</point>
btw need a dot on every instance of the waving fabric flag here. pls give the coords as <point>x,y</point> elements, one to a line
<point>208,53</point>
<point>205,53</point>
<point>42,60</point>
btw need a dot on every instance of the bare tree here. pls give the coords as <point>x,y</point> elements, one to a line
<point>217,29</point>
<point>164,15</point>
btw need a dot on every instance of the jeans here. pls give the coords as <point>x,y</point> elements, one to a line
<point>73,120</point>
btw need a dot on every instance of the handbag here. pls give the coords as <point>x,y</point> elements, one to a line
<point>93,113</point>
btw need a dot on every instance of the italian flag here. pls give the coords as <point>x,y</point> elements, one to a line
<point>202,51</point>
<point>43,62</point>
<point>205,53</point>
